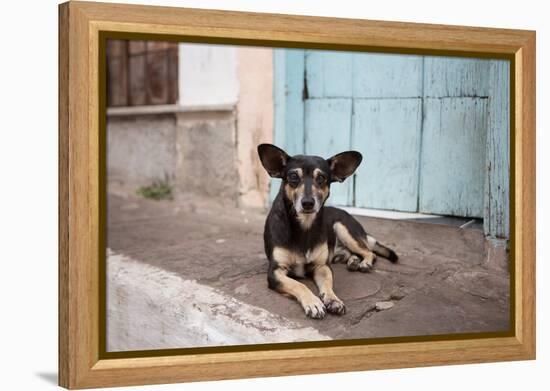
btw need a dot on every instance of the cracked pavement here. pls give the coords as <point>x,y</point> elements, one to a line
<point>442,283</point>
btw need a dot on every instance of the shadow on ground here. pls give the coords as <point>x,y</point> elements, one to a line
<point>48,377</point>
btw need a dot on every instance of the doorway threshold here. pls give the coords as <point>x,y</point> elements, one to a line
<point>460,222</point>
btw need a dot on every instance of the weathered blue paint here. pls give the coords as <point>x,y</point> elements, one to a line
<point>329,74</point>
<point>328,131</point>
<point>454,134</point>
<point>453,156</point>
<point>496,218</point>
<point>289,68</point>
<point>451,114</point>
<point>458,77</point>
<point>386,76</point>
<point>387,132</point>
<point>328,111</point>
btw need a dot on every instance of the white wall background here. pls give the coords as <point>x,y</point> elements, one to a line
<point>208,75</point>
<point>28,194</point>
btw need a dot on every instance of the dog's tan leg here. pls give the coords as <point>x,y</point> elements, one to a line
<point>365,261</point>
<point>322,275</point>
<point>318,259</point>
<point>312,305</point>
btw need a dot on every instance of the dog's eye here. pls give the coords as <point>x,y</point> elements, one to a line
<point>320,179</point>
<point>293,177</point>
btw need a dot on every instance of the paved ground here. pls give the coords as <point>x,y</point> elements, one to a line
<point>441,285</point>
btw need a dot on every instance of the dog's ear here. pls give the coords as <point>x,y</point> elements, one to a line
<point>344,164</point>
<point>273,159</point>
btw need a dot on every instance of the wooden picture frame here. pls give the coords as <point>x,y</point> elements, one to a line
<point>83,28</point>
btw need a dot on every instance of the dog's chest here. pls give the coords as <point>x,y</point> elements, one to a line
<point>315,256</point>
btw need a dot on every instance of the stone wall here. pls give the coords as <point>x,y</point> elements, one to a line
<point>207,154</point>
<point>141,148</point>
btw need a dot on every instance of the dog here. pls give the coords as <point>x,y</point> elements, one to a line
<point>303,237</point>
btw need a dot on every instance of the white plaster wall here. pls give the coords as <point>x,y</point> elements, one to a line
<point>208,75</point>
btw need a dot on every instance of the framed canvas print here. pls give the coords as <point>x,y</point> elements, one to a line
<point>248,195</point>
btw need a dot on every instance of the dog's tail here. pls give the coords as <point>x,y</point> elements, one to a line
<point>386,252</point>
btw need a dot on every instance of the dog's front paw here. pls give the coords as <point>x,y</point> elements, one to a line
<point>314,307</point>
<point>333,304</point>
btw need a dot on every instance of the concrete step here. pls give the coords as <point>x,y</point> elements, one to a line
<point>151,308</point>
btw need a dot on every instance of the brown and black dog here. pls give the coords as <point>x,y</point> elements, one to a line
<point>302,236</point>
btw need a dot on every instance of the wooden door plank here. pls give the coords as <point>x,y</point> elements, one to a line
<point>173,72</point>
<point>329,74</point>
<point>497,180</point>
<point>452,76</point>
<point>117,82</point>
<point>137,69</point>
<point>289,68</point>
<point>157,73</point>
<point>387,132</point>
<point>387,75</point>
<point>453,156</point>
<point>327,131</point>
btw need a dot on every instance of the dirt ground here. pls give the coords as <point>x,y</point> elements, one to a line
<point>442,283</point>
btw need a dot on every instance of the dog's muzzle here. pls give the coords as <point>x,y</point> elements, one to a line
<point>307,205</point>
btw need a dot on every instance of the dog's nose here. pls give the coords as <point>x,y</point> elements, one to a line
<point>308,203</point>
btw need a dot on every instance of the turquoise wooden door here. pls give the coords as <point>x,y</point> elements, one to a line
<point>421,123</point>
